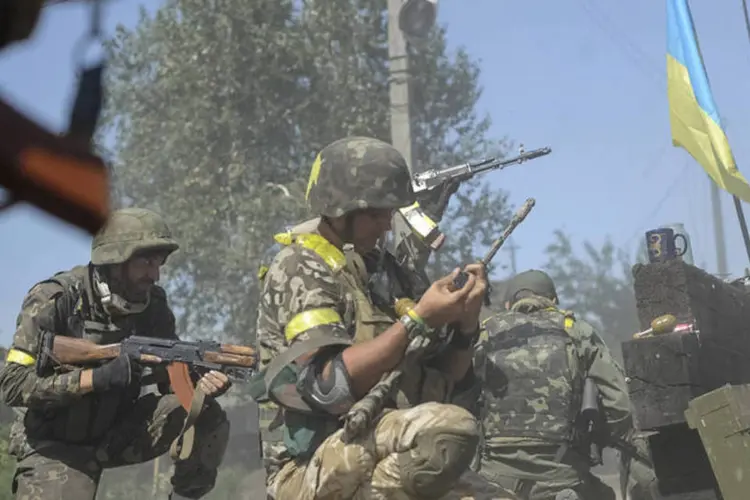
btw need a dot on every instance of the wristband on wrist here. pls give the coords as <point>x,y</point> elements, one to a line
<point>415,324</point>
<point>413,327</point>
<point>416,317</point>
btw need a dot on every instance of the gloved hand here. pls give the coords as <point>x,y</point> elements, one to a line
<point>116,374</point>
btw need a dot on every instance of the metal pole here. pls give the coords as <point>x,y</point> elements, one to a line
<point>721,251</point>
<point>399,85</point>
<point>399,105</point>
<point>512,250</point>
<point>743,224</point>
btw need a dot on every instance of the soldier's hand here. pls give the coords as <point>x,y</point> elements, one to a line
<point>442,304</point>
<point>214,383</point>
<point>115,374</point>
<point>475,299</point>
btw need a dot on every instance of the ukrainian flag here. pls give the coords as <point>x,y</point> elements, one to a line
<point>695,122</point>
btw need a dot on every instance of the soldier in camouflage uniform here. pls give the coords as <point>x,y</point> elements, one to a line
<point>75,423</point>
<point>533,359</point>
<point>317,315</point>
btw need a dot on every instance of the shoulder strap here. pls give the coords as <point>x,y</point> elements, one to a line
<point>332,256</point>
<point>74,288</point>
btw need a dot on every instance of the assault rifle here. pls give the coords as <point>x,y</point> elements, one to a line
<point>433,178</point>
<point>592,435</point>
<point>415,230</point>
<point>237,362</point>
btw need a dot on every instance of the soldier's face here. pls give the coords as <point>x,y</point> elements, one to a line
<point>142,271</point>
<point>369,226</point>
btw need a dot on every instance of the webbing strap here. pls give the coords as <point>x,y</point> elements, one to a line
<point>182,446</point>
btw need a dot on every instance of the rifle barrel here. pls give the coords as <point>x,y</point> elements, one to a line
<point>496,163</point>
<point>431,178</point>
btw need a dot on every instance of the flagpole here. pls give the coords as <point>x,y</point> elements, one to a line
<point>743,224</point>
<point>721,249</point>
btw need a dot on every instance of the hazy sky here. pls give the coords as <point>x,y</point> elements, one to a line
<point>585,77</point>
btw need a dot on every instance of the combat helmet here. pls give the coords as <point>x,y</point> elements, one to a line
<point>355,173</point>
<point>130,230</point>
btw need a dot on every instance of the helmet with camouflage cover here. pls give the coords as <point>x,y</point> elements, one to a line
<point>358,172</point>
<point>130,230</point>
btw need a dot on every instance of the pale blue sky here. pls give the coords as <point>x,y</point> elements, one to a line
<point>586,77</point>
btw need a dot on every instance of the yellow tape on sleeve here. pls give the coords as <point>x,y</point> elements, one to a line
<point>20,357</point>
<point>310,319</point>
<point>569,322</point>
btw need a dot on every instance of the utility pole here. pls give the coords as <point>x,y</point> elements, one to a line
<point>410,19</point>
<point>512,250</point>
<point>399,84</point>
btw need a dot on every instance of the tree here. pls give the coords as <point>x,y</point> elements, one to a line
<point>217,109</point>
<point>599,286</point>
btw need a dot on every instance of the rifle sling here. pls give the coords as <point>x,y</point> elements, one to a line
<point>182,446</point>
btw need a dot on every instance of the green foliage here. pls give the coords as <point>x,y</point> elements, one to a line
<point>217,109</point>
<point>598,286</point>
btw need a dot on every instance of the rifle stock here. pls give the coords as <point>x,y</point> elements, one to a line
<point>73,351</point>
<point>594,432</point>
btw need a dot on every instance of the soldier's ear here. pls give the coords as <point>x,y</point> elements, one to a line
<point>507,304</point>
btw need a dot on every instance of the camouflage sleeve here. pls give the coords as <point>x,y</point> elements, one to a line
<point>610,380</point>
<point>301,299</point>
<point>43,309</point>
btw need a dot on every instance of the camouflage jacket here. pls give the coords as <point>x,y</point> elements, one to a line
<point>311,291</point>
<point>67,304</point>
<point>586,354</point>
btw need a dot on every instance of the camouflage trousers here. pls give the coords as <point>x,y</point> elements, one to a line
<point>54,470</point>
<point>545,476</point>
<point>641,478</point>
<point>419,453</point>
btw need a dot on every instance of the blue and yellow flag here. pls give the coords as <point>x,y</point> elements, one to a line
<point>695,122</point>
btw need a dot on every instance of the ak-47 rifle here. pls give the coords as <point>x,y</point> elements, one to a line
<point>58,174</point>
<point>433,178</point>
<point>415,228</point>
<point>361,414</point>
<point>180,357</point>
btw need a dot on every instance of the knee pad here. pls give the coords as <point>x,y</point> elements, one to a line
<point>212,445</point>
<point>567,494</point>
<point>440,453</point>
<point>195,487</point>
